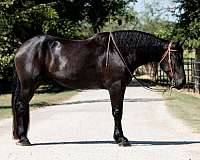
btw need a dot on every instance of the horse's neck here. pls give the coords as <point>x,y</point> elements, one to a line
<point>144,55</point>
<point>138,55</point>
<point>154,54</point>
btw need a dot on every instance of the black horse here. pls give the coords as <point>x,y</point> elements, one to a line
<point>89,64</point>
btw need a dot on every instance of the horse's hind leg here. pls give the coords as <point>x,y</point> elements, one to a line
<point>116,92</point>
<point>20,106</point>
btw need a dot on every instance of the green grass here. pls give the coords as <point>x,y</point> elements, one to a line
<point>186,107</point>
<point>39,100</point>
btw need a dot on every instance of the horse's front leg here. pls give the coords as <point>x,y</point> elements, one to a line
<point>116,92</point>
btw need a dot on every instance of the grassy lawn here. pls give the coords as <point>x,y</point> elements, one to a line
<point>39,100</point>
<point>186,107</point>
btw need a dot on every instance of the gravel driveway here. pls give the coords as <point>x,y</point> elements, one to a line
<point>82,129</point>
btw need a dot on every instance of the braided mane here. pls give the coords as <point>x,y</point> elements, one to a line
<point>132,39</point>
<point>138,38</point>
<point>135,45</point>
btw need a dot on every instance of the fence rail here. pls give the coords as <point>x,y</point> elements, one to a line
<point>192,71</point>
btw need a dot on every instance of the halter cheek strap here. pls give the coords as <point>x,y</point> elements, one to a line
<point>168,52</point>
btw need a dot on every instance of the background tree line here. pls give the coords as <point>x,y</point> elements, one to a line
<point>79,19</point>
<point>74,19</point>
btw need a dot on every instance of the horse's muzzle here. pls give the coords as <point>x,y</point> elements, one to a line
<point>179,83</point>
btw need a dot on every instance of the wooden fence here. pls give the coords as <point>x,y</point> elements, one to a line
<point>192,71</point>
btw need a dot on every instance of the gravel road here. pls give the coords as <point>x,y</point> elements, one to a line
<point>82,129</point>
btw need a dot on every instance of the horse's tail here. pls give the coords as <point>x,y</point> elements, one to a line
<point>16,87</point>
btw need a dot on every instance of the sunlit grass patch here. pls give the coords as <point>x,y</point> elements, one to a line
<point>39,100</point>
<point>185,107</point>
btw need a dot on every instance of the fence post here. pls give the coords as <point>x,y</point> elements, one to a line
<point>197,71</point>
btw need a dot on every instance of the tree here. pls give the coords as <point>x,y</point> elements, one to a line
<point>99,11</point>
<point>23,19</point>
<point>95,12</point>
<point>125,21</point>
<point>189,21</point>
<point>189,28</point>
<point>154,20</point>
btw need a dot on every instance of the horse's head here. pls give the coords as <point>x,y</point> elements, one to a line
<point>172,64</point>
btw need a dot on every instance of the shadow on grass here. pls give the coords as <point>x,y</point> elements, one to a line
<point>133,143</point>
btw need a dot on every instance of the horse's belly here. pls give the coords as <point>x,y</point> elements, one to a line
<point>81,81</point>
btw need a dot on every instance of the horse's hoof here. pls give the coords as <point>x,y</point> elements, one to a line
<point>123,142</point>
<point>23,142</point>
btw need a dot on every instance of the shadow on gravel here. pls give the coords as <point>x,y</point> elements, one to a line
<point>125,100</point>
<point>37,105</point>
<point>146,82</point>
<point>133,143</point>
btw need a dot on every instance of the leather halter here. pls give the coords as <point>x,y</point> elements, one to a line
<point>168,53</point>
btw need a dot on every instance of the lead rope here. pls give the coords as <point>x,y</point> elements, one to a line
<point>107,52</point>
<point>124,62</point>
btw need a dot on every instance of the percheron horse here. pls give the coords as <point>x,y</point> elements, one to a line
<point>83,64</point>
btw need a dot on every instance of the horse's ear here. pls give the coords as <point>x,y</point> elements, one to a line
<point>178,44</point>
<point>181,43</point>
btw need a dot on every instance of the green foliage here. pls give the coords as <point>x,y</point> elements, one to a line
<point>23,19</point>
<point>98,11</point>
<point>95,12</point>
<point>7,42</point>
<point>165,29</point>
<point>35,20</point>
<point>189,21</point>
<point>6,67</point>
<point>126,21</point>
<point>152,21</point>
